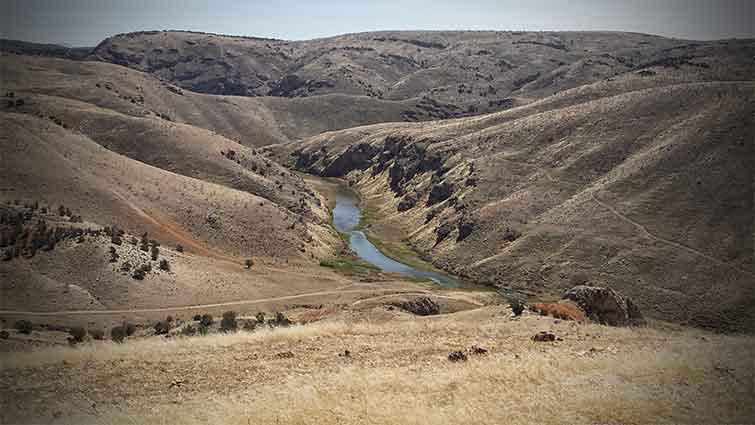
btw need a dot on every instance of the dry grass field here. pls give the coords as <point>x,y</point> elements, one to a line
<point>396,372</point>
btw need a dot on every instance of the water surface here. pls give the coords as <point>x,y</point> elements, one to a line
<point>346,217</point>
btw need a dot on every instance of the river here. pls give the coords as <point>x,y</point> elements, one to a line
<point>346,218</point>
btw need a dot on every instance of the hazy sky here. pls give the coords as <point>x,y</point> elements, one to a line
<point>87,22</point>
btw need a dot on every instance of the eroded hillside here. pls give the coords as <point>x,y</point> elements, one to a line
<point>642,183</point>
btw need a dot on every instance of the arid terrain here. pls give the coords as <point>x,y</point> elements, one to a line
<point>165,176</point>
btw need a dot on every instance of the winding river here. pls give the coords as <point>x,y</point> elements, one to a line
<point>346,217</point>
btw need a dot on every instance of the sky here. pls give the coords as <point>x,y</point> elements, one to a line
<point>87,22</point>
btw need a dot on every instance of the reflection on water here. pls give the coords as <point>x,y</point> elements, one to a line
<point>346,216</point>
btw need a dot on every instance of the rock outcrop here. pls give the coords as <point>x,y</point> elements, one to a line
<point>605,306</point>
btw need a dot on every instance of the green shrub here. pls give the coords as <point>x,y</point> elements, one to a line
<point>249,325</point>
<point>197,317</point>
<point>229,323</point>
<point>97,334</point>
<point>189,330</point>
<point>203,330</point>
<point>260,318</point>
<point>162,327</point>
<point>517,306</point>
<point>24,326</point>
<point>130,328</point>
<point>281,319</point>
<point>118,334</point>
<point>77,334</point>
<point>206,320</point>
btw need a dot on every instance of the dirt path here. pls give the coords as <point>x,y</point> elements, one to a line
<point>215,305</point>
<point>648,234</point>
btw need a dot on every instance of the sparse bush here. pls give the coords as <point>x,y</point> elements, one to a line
<point>162,327</point>
<point>517,306</point>
<point>164,265</point>
<point>24,326</point>
<point>281,319</point>
<point>206,320</point>
<point>229,323</point>
<point>4,334</point>
<point>248,263</point>
<point>113,255</point>
<point>189,330</point>
<point>130,328</point>
<point>77,334</point>
<point>97,334</point>
<point>197,317</point>
<point>260,318</point>
<point>510,235</point>
<point>155,252</point>
<point>179,248</point>
<point>203,329</point>
<point>126,266</point>
<point>118,334</point>
<point>250,325</point>
<point>138,274</point>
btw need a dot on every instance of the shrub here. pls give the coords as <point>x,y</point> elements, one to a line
<point>281,319</point>
<point>510,235</point>
<point>203,329</point>
<point>248,263</point>
<point>113,255</point>
<point>189,330</point>
<point>115,235</point>
<point>250,325</point>
<point>97,334</point>
<point>162,327</point>
<point>24,326</point>
<point>260,318</point>
<point>164,265</point>
<point>197,317</point>
<point>229,323</point>
<point>77,334</point>
<point>179,248</point>
<point>155,252</point>
<point>206,320</point>
<point>119,333</point>
<point>126,266</point>
<point>517,306</point>
<point>4,334</point>
<point>138,274</point>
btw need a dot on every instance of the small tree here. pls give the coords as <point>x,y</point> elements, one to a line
<point>229,323</point>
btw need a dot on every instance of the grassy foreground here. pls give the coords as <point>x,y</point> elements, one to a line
<point>396,372</point>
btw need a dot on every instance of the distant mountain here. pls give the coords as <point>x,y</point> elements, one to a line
<point>446,74</point>
<point>54,50</point>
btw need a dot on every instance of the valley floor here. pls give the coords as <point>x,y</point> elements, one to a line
<point>376,365</point>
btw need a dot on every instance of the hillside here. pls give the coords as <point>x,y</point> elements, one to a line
<point>444,73</point>
<point>641,183</point>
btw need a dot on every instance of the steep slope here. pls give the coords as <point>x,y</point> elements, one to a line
<point>447,73</point>
<point>641,183</point>
<point>43,161</point>
<point>250,121</point>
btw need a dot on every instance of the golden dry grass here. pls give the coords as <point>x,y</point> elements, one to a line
<point>397,373</point>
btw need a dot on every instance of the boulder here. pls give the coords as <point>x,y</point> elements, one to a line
<point>439,193</point>
<point>422,306</point>
<point>605,306</point>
